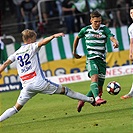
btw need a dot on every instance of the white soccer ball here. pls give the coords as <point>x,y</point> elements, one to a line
<point>113,88</point>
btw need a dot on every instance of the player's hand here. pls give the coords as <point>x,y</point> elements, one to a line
<point>77,56</point>
<point>116,45</point>
<point>58,35</point>
<point>131,57</point>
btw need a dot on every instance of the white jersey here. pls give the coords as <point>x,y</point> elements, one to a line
<point>130,31</point>
<point>31,75</point>
<point>28,64</point>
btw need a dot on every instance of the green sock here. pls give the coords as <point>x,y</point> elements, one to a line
<point>89,94</point>
<point>94,89</point>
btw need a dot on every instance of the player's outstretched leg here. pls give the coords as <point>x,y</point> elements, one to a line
<point>74,95</point>
<point>8,113</point>
<point>11,111</point>
<point>82,98</point>
<point>78,96</point>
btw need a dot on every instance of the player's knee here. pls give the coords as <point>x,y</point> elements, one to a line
<point>18,107</point>
<point>63,90</point>
<point>94,78</point>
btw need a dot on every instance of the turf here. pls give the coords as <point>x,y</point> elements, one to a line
<point>57,114</point>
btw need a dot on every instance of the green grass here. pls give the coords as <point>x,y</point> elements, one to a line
<point>57,114</point>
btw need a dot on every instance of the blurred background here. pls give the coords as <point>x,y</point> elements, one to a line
<point>47,17</point>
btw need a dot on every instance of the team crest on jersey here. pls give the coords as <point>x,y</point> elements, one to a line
<point>98,35</point>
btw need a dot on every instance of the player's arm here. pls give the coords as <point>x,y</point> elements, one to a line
<point>75,44</point>
<point>4,65</point>
<point>48,39</point>
<point>115,42</point>
<point>131,49</point>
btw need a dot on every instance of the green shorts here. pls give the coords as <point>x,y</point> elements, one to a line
<point>97,66</point>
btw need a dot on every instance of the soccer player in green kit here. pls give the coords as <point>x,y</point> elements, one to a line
<point>95,36</point>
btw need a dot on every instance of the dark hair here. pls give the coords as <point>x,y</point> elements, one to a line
<point>131,7</point>
<point>95,14</point>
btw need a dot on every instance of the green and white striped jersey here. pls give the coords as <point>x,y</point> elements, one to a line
<point>95,40</point>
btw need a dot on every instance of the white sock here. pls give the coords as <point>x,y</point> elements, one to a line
<point>131,91</point>
<point>97,98</point>
<point>77,95</point>
<point>8,113</point>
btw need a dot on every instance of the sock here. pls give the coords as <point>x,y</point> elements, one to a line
<point>131,91</point>
<point>94,89</point>
<point>77,95</point>
<point>8,113</point>
<point>89,94</point>
<point>96,98</point>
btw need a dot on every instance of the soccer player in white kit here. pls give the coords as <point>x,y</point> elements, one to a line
<point>32,76</point>
<point>130,32</point>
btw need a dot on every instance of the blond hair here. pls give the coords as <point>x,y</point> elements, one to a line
<point>28,34</point>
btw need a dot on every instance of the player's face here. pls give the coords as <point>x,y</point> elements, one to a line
<point>131,13</point>
<point>96,21</point>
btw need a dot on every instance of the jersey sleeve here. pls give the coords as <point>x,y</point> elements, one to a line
<point>108,32</point>
<point>81,34</point>
<point>35,47</point>
<point>12,57</point>
<point>130,32</point>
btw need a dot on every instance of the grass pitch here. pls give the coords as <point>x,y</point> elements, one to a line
<point>58,114</point>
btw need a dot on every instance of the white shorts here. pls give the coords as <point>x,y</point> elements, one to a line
<point>43,87</point>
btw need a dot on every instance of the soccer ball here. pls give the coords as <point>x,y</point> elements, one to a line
<point>113,88</point>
